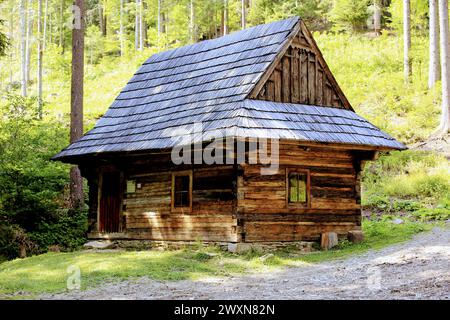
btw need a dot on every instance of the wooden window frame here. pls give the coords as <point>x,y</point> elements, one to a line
<point>308,189</point>
<point>172,201</point>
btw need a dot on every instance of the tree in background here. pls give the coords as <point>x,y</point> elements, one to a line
<point>23,50</point>
<point>445,56</point>
<point>121,30</point>
<point>3,41</point>
<point>225,18</point>
<point>243,14</point>
<point>39,59</point>
<point>76,101</point>
<point>192,22</point>
<point>406,39</point>
<point>377,5</point>
<point>350,15</point>
<point>433,67</point>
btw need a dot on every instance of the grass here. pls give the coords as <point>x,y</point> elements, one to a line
<point>407,182</point>
<point>48,272</point>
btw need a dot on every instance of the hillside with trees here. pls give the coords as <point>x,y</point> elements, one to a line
<point>391,58</point>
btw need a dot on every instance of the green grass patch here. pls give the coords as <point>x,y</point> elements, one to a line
<point>48,272</point>
<point>407,182</point>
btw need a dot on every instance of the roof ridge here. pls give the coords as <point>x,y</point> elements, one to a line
<point>235,34</point>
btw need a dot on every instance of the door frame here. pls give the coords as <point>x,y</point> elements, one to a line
<point>109,169</point>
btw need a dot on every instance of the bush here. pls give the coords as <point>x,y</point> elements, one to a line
<point>350,15</point>
<point>33,187</point>
<point>439,212</point>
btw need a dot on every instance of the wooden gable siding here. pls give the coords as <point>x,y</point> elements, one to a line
<point>264,215</point>
<point>148,211</point>
<point>301,76</point>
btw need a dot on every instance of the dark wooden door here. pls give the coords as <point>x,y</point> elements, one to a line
<point>110,202</point>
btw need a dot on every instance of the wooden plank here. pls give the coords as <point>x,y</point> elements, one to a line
<point>277,85</point>
<point>319,87</point>
<point>286,78</point>
<point>295,83</point>
<point>270,90</point>
<point>304,76</point>
<point>311,78</point>
<point>292,232</point>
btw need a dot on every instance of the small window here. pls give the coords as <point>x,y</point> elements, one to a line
<point>181,190</point>
<point>298,188</point>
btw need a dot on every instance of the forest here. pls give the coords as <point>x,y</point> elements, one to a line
<point>385,54</point>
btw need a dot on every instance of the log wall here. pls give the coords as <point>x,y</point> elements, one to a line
<point>149,214</point>
<point>235,203</point>
<point>265,215</point>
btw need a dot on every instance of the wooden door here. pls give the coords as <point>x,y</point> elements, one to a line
<point>110,202</point>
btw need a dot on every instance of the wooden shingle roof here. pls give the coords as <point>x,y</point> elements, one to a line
<point>209,82</point>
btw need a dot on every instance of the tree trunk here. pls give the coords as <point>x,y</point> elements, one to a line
<point>50,27</point>
<point>11,37</point>
<point>225,17</point>
<point>192,25</point>
<point>29,39</point>
<point>101,19</point>
<point>76,103</point>
<point>23,46</point>
<point>444,33</point>
<point>39,59</point>
<point>406,39</point>
<point>61,25</point>
<point>377,17</point>
<point>433,68</point>
<point>243,14</point>
<point>160,22</point>
<point>141,25</point>
<point>44,37</point>
<point>121,28</point>
<point>144,28</point>
<point>136,26</point>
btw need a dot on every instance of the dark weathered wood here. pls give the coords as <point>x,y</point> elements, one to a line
<point>301,75</point>
<point>286,79</point>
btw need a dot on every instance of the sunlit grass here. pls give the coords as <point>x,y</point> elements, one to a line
<point>48,272</point>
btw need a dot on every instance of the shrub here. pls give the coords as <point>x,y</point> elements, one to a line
<point>33,187</point>
<point>406,181</point>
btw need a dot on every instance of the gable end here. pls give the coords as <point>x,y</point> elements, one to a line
<point>300,75</point>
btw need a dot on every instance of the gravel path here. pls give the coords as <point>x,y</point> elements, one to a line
<point>418,269</point>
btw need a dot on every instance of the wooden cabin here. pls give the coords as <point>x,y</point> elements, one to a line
<point>266,82</point>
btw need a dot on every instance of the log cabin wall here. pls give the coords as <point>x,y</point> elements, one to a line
<point>302,76</point>
<point>265,215</point>
<point>148,211</point>
<point>232,203</point>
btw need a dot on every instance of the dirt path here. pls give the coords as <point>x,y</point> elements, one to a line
<point>418,269</point>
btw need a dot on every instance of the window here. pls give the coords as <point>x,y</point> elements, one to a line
<point>181,190</point>
<point>298,187</point>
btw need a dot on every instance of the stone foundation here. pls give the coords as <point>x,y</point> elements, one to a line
<point>240,247</point>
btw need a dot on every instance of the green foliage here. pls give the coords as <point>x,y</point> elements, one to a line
<point>350,15</point>
<point>409,181</point>
<point>370,72</point>
<point>440,212</point>
<point>419,15</point>
<point>3,41</point>
<point>67,231</point>
<point>32,185</point>
<point>313,12</point>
